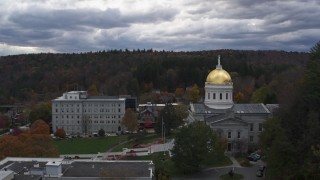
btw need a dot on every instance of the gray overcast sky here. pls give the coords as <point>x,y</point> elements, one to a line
<point>34,26</point>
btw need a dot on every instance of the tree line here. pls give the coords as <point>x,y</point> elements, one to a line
<point>36,78</point>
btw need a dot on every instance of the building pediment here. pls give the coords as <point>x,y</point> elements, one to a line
<point>228,122</point>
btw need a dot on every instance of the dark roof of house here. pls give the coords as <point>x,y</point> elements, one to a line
<point>108,169</point>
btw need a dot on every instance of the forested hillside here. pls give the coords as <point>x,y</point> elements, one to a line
<point>257,75</point>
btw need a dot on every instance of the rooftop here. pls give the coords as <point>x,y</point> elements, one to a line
<point>200,108</point>
<point>79,168</point>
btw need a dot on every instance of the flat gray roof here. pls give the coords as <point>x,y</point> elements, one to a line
<point>200,108</point>
<point>108,169</point>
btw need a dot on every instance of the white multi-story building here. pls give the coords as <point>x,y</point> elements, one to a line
<point>78,113</point>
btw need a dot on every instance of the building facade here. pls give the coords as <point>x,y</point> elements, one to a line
<point>78,113</point>
<point>239,124</point>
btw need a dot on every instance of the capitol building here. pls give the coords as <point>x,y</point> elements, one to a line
<point>239,124</point>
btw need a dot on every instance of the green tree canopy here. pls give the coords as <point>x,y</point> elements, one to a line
<point>193,145</point>
<point>290,140</point>
<point>170,119</point>
<point>262,95</point>
<point>41,111</point>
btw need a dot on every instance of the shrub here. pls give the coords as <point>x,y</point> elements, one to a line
<point>60,133</point>
<point>101,133</point>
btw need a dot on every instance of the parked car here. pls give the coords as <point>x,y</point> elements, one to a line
<point>253,157</point>
<point>259,173</point>
<point>262,168</point>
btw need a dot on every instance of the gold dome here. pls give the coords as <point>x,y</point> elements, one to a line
<point>218,76</point>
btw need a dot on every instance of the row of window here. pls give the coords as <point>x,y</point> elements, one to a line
<point>227,95</point>
<point>90,122</point>
<point>239,136</point>
<point>259,128</point>
<point>89,110</point>
<point>90,116</point>
<point>230,134</point>
<point>89,105</point>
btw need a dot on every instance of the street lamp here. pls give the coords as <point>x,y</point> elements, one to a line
<point>163,132</point>
<point>163,137</point>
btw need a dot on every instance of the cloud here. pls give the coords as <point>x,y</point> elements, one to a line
<point>76,26</point>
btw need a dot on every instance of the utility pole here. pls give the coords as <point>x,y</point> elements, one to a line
<point>162,130</point>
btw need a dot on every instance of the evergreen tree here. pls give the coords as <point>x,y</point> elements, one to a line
<point>291,154</point>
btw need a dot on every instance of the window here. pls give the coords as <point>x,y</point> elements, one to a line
<point>251,138</point>
<point>226,95</point>
<point>239,134</point>
<point>260,126</point>
<point>229,135</point>
<point>251,126</point>
<point>214,95</point>
<point>208,95</point>
<point>119,110</point>
<point>220,96</point>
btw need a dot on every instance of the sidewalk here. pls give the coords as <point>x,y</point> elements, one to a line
<point>234,161</point>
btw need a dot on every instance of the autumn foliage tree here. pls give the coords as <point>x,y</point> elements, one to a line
<point>193,94</point>
<point>130,120</point>
<point>35,143</point>
<point>93,90</point>
<point>40,127</point>
<point>179,92</point>
<point>60,133</point>
<point>4,121</point>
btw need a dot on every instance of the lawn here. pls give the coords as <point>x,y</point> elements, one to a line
<point>87,145</point>
<point>216,161</point>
